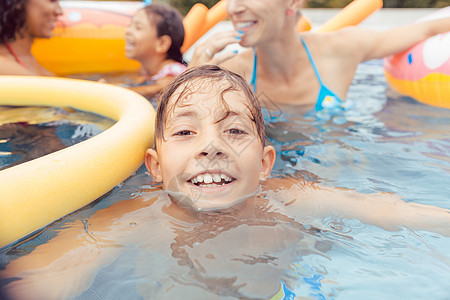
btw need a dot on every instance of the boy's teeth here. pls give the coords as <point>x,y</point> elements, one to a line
<point>210,178</point>
<point>216,178</point>
<point>207,178</point>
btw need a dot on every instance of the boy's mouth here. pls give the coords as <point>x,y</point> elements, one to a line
<point>211,179</point>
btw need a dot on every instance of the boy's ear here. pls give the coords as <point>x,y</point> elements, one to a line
<point>163,44</point>
<point>267,162</point>
<point>152,164</point>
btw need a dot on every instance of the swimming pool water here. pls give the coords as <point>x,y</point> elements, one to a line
<point>30,132</point>
<point>382,144</point>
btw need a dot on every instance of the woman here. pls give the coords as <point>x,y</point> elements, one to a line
<point>154,38</point>
<point>22,22</point>
<point>312,70</point>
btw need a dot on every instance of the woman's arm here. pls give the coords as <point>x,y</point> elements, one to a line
<point>370,44</point>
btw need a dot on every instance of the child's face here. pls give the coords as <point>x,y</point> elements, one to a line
<point>209,159</point>
<point>140,37</point>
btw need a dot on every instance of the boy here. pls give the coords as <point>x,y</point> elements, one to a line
<point>210,233</point>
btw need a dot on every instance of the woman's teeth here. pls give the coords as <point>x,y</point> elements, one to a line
<point>243,25</point>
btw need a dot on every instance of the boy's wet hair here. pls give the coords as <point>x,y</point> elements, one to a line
<point>207,74</point>
<point>168,21</point>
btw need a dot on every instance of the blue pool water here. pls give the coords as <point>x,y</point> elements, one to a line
<point>382,144</point>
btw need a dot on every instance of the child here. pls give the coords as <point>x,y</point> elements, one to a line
<point>212,231</point>
<point>154,38</point>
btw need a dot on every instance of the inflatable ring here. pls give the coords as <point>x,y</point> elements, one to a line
<point>423,71</point>
<point>66,180</point>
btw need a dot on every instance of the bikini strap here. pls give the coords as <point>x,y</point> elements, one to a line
<point>312,61</point>
<point>254,71</point>
<point>10,49</point>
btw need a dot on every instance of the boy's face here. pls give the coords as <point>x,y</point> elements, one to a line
<point>209,158</point>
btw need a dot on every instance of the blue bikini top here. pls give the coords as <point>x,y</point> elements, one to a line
<point>326,97</point>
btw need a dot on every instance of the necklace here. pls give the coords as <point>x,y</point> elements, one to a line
<point>10,49</point>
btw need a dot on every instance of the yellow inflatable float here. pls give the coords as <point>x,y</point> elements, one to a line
<point>38,192</point>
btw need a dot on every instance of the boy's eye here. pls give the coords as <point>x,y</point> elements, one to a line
<point>236,131</point>
<point>184,132</point>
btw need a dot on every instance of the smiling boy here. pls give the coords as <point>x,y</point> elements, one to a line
<point>218,229</point>
<point>210,149</point>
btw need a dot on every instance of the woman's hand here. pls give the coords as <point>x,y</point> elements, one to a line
<point>205,52</point>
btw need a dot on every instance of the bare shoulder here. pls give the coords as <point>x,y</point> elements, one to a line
<point>340,43</point>
<point>9,67</point>
<point>241,63</point>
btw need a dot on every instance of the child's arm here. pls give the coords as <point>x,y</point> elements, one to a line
<point>387,211</point>
<point>383,210</point>
<point>67,264</point>
<point>147,91</point>
<point>58,269</point>
<point>152,90</point>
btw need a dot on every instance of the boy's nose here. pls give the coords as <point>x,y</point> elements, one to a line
<point>212,146</point>
<point>215,153</point>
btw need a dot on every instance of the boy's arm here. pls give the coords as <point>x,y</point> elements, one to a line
<point>305,199</point>
<point>59,269</point>
<point>67,264</point>
<point>387,211</point>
